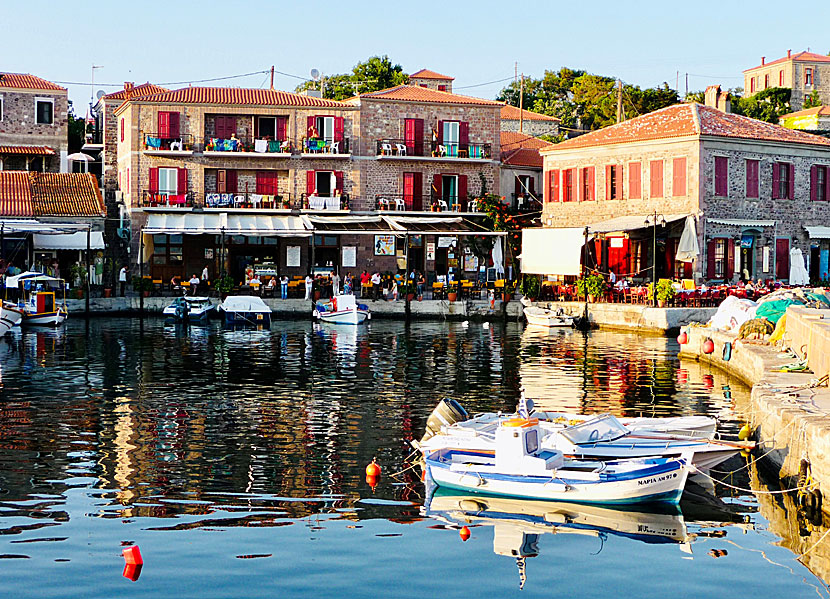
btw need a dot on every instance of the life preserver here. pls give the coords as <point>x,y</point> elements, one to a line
<point>334,304</point>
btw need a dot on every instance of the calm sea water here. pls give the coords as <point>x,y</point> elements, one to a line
<point>235,461</point>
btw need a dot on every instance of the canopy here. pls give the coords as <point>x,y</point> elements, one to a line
<point>69,241</point>
<point>204,223</point>
<point>688,249</point>
<point>19,225</point>
<point>244,303</point>
<point>798,272</point>
<point>14,281</point>
<point>742,222</point>
<point>629,223</point>
<point>552,251</point>
<point>817,231</point>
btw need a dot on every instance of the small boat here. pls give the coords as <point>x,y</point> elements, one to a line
<point>245,310</point>
<point>10,316</point>
<point>520,467</point>
<point>189,309</point>
<point>341,309</point>
<point>545,317</point>
<point>38,298</point>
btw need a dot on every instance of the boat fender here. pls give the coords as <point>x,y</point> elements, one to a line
<point>727,351</point>
<point>464,533</point>
<point>745,432</point>
<point>334,304</point>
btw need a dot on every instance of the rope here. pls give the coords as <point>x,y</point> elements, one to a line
<point>814,545</point>
<point>751,491</point>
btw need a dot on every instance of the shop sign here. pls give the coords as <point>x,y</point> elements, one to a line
<point>431,250</point>
<point>445,242</point>
<point>292,256</point>
<point>384,245</point>
<point>349,256</point>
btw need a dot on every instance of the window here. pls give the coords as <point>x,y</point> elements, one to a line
<point>766,81</point>
<point>781,78</point>
<point>168,124</point>
<point>44,111</point>
<point>587,184</point>
<point>782,181</point>
<point>752,170</point>
<point>442,88</point>
<point>721,176</point>
<point>568,185</point>
<point>613,182</point>
<point>450,138</point>
<point>167,249</point>
<point>656,179</point>
<point>272,127</point>
<point>818,183</point>
<point>752,85</point>
<point>552,194</point>
<point>422,85</point>
<point>678,184</point>
<point>168,181</point>
<point>720,258</point>
<point>325,127</point>
<point>634,180</point>
<point>808,76</point>
<point>122,128</point>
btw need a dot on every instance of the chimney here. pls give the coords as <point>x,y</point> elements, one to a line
<point>763,60</point>
<point>128,89</point>
<point>789,53</point>
<point>711,96</point>
<point>724,103</point>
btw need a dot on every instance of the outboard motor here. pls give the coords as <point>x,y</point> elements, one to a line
<point>447,412</point>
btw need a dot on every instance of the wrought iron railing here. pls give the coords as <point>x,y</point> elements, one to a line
<point>399,202</point>
<point>151,199</point>
<point>455,150</point>
<point>526,202</point>
<point>182,142</point>
<point>316,145</point>
<point>325,202</point>
<point>399,147</point>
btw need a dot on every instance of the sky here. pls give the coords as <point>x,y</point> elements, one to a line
<point>478,42</point>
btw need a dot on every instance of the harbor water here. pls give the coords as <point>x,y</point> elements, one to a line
<point>235,460</point>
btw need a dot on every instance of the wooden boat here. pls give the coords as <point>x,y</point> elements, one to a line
<point>10,316</point>
<point>189,309</point>
<point>520,467</point>
<point>544,317</point>
<point>341,309</point>
<point>247,310</point>
<point>41,298</point>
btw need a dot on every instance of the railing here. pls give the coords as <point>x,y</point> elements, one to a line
<point>399,202</point>
<point>154,142</point>
<point>330,202</point>
<point>211,199</point>
<point>441,203</point>
<point>399,147</point>
<point>526,202</point>
<point>240,143</point>
<point>455,150</point>
<point>323,146</point>
<point>151,199</point>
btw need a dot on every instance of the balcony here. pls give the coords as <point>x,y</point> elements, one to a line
<point>398,148</point>
<point>451,203</point>
<point>402,149</point>
<point>155,145</point>
<point>396,202</point>
<point>323,148</point>
<point>526,202</point>
<point>326,203</point>
<point>247,147</point>
<point>469,151</point>
<point>226,201</point>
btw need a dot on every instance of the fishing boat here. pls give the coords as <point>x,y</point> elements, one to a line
<point>341,309</point>
<point>189,309</point>
<point>520,467</point>
<point>10,316</point>
<point>601,437</point>
<point>40,297</point>
<point>248,310</point>
<point>545,317</point>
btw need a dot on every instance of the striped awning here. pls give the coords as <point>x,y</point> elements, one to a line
<point>817,231</point>
<point>27,150</point>
<point>741,222</point>
<point>228,224</point>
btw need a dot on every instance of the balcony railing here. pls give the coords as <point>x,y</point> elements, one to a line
<point>256,201</point>
<point>399,147</point>
<point>323,146</point>
<point>329,202</point>
<point>180,143</point>
<point>245,143</point>
<point>526,202</point>
<point>455,150</point>
<point>150,199</point>
<point>399,202</point>
<point>451,203</point>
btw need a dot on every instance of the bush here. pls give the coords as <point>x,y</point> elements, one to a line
<point>665,290</point>
<point>530,286</point>
<point>224,284</point>
<point>593,284</point>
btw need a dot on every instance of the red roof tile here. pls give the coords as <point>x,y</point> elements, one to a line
<point>28,150</point>
<point>519,149</point>
<point>819,110</point>
<point>237,96</point>
<point>511,113</point>
<point>66,194</point>
<point>688,120</point>
<point>800,56</point>
<point>413,93</point>
<point>510,140</point>
<point>139,90</point>
<point>526,157</point>
<point>15,194</point>
<point>427,74</point>
<point>26,81</point>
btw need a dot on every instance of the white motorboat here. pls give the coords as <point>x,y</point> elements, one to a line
<point>519,466</point>
<point>189,309</point>
<point>248,310</point>
<point>341,309</point>
<point>10,316</point>
<point>545,317</point>
<point>41,298</point>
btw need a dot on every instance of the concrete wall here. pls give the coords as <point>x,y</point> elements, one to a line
<point>634,316</point>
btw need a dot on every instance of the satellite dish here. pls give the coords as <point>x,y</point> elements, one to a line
<point>315,74</point>
<point>100,94</point>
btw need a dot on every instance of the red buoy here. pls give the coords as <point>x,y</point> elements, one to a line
<point>708,346</point>
<point>373,469</point>
<point>464,533</point>
<point>132,571</point>
<point>132,555</point>
<point>683,338</point>
<point>372,481</point>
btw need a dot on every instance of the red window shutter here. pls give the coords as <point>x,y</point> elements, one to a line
<point>730,259</point>
<point>813,183</point>
<point>656,179</point>
<point>338,129</point>
<point>440,133</point>
<point>618,182</point>
<point>436,186</point>
<point>776,180</point>
<point>419,137</point>
<point>463,135</point>
<point>122,128</point>
<point>608,193</point>
<point>721,173</point>
<point>154,180</point>
<point>231,181</point>
<point>267,182</point>
<point>752,178</point>
<point>164,124</point>
<point>311,126</point>
<point>517,186</point>
<point>181,187</point>
<point>462,188</point>
<point>174,124</point>
<point>710,258</point>
<point>782,258</point>
<point>634,176</point>
<point>532,186</point>
<point>791,195</point>
<point>418,185</point>
<point>310,182</point>
<point>282,128</point>
<point>408,189</point>
<point>554,175</point>
<point>678,177</point>
<point>338,181</point>
<point>221,181</point>
<point>591,179</point>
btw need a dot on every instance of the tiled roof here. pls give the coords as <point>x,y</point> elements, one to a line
<point>237,96</point>
<point>427,74</point>
<point>66,194</point>
<point>819,110</point>
<point>510,140</point>
<point>800,56</point>
<point>28,150</point>
<point>15,194</point>
<point>139,90</point>
<point>26,81</point>
<point>688,120</point>
<point>412,93</point>
<point>519,149</point>
<point>512,113</point>
<point>526,157</point>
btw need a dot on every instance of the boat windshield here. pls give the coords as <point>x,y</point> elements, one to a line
<point>602,428</point>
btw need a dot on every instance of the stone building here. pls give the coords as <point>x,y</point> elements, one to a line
<point>34,117</point>
<point>802,72</point>
<point>529,123</point>
<point>521,171</point>
<point>755,190</point>
<point>431,80</point>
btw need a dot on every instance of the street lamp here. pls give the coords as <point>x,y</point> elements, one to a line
<point>653,220</point>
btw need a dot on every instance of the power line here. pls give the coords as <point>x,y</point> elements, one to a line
<point>182,82</point>
<point>483,84</point>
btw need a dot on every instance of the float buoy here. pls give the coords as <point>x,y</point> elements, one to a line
<point>745,432</point>
<point>708,382</point>
<point>372,481</point>
<point>683,338</point>
<point>132,571</point>
<point>464,533</point>
<point>132,555</point>
<point>708,346</point>
<point>373,469</point>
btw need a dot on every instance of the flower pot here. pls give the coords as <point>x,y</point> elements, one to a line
<point>410,297</point>
<point>316,295</point>
<point>145,293</point>
<point>452,296</point>
<point>661,303</point>
<point>591,298</point>
<point>505,297</point>
<point>107,292</point>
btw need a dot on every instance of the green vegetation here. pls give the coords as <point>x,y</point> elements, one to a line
<point>812,100</point>
<point>767,105</point>
<point>592,285</point>
<point>530,286</point>
<point>374,74</point>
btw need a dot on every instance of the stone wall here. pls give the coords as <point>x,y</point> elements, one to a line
<point>18,126</point>
<point>794,78</point>
<point>109,155</point>
<point>531,127</point>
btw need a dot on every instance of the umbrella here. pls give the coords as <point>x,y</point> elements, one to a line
<point>80,157</point>
<point>688,249</point>
<point>798,272</point>
<point>498,257</point>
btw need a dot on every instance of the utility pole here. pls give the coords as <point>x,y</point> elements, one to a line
<point>272,77</point>
<point>516,72</point>
<point>620,114</point>
<point>687,85</point>
<point>677,82</point>
<point>521,104</point>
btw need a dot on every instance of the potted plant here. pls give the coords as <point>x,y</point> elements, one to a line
<point>665,292</point>
<point>530,287</point>
<point>143,285</point>
<point>592,285</point>
<point>509,289</point>
<point>224,286</point>
<point>407,290</point>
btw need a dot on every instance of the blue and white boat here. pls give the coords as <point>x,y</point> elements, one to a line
<point>41,298</point>
<point>189,309</point>
<point>247,310</point>
<point>341,309</point>
<point>520,468</point>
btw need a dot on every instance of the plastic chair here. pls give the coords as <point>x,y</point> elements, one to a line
<point>386,149</point>
<point>401,148</point>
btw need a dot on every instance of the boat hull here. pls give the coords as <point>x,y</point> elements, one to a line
<point>9,317</point>
<point>247,318</point>
<point>192,315</point>
<point>46,319</point>
<point>547,318</point>
<point>352,317</point>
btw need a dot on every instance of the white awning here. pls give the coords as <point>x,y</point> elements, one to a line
<point>69,241</point>
<point>817,231</point>
<point>629,223</point>
<point>16,225</point>
<point>741,222</point>
<point>229,224</point>
<point>266,226</point>
<point>552,251</point>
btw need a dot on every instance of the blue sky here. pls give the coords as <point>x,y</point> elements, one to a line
<point>644,43</point>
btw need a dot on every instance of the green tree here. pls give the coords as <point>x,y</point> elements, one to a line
<point>767,105</point>
<point>76,133</point>
<point>374,74</point>
<point>812,100</point>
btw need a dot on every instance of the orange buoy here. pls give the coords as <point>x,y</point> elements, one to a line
<point>372,481</point>
<point>132,555</point>
<point>708,346</point>
<point>373,469</point>
<point>683,338</point>
<point>132,571</point>
<point>464,533</point>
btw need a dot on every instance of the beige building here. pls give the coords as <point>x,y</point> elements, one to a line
<point>803,72</point>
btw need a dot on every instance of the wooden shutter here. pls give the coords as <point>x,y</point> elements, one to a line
<point>436,186</point>
<point>618,181</point>
<point>409,135</point>
<point>721,174</point>
<point>408,189</point>
<point>164,124</point>
<point>282,128</point>
<point>752,178</point>
<point>154,180</point>
<point>656,179</point>
<point>338,181</point>
<point>418,137</point>
<point>463,135</point>
<point>418,183</point>
<point>462,188</point>
<point>122,128</point>
<point>634,177</point>
<point>222,181</point>
<point>181,186</point>
<point>730,259</point>
<point>267,182</point>
<point>813,183</point>
<point>440,134</point>
<point>230,181</point>
<point>678,186</point>
<point>174,124</point>
<point>782,258</point>
<point>310,124</point>
<point>310,182</point>
<point>591,181</point>
<point>338,130</point>
<point>791,191</point>
<point>776,180</point>
<point>711,246</point>
<point>552,186</point>
<point>531,185</point>
<point>608,190</point>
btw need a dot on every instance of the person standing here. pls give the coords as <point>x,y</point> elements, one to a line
<point>122,279</point>
<point>284,286</point>
<point>335,284</point>
<point>206,279</point>
<point>364,280</point>
<point>309,284</point>
<point>347,284</point>
<point>376,285</point>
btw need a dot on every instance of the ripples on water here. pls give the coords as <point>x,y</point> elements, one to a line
<point>235,460</point>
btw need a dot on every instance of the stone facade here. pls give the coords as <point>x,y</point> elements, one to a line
<point>19,127</point>
<point>534,127</point>
<point>439,84</point>
<point>791,72</point>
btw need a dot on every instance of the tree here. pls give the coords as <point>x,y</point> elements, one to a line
<point>597,102</point>
<point>374,74</point>
<point>812,100</point>
<point>767,105</point>
<point>76,130</point>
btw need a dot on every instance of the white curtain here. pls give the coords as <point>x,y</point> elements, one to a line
<point>688,249</point>
<point>498,257</point>
<point>798,272</point>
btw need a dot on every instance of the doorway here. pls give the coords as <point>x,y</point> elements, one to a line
<point>323,183</point>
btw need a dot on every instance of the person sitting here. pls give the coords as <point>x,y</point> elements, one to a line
<point>175,283</point>
<point>194,284</point>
